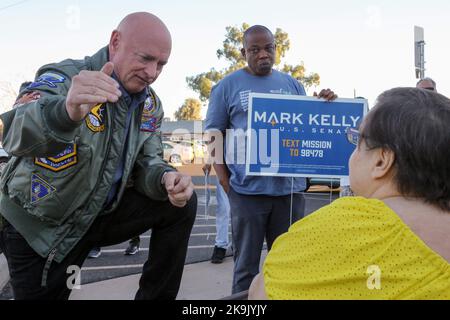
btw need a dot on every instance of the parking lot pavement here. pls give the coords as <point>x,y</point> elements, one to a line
<point>112,263</point>
<point>200,281</point>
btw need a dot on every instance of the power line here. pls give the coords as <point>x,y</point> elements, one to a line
<point>13,5</point>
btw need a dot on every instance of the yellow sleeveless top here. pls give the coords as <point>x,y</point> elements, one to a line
<point>354,248</point>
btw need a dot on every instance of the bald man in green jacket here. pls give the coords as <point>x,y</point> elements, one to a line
<point>87,168</point>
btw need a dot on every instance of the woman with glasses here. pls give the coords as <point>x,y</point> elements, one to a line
<point>391,241</point>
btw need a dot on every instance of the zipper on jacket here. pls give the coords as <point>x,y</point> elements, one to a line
<point>48,263</point>
<point>108,147</point>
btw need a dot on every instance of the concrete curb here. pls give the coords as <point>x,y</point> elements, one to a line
<point>4,271</point>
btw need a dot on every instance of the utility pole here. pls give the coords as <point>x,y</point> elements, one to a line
<point>419,52</point>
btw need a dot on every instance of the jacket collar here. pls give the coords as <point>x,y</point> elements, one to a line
<point>98,60</point>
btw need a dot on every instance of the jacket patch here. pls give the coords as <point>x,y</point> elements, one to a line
<point>148,120</point>
<point>61,161</point>
<point>95,119</point>
<point>40,188</point>
<point>48,79</point>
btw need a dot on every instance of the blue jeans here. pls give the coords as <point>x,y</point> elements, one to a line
<point>222,217</point>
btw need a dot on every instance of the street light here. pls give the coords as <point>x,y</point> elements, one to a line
<point>419,52</point>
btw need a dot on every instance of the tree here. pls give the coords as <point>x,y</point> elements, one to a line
<point>230,51</point>
<point>8,95</point>
<point>190,110</point>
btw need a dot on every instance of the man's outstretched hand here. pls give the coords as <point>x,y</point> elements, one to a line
<point>90,88</point>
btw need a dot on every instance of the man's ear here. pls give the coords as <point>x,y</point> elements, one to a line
<point>243,53</point>
<point>114,42</point>
<point>384,162</point>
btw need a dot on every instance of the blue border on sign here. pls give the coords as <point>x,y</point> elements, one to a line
<point>315,126</point>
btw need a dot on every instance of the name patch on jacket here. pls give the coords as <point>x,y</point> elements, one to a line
<point>148,120</point>
<point>61,161</point>
<point>95,119</point>
<point>40,188</point>
<point>48,79</point>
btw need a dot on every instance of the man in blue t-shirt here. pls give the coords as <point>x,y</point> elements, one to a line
<point>260,206</point>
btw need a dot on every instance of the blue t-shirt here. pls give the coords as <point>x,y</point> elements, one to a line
<point>228,105</point>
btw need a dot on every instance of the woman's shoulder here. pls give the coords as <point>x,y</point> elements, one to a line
<point>346,225</point>
<point>352,212</point>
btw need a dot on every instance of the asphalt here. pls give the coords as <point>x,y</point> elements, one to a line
<point>200,281</point>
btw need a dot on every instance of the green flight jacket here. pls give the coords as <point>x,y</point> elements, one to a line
<point>61,171</point>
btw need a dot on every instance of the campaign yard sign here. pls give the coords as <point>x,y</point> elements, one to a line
<point>299,136</point>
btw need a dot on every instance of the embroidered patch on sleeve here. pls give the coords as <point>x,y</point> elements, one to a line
<point>61,161</point>
<point>40,189</point>
<point>148,120</point>
<point>95,120</point>
<point>48,79</point>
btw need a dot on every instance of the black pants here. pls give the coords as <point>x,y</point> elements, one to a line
<point>161,274</point>
<point>253,218</point>
<point>136,241</point>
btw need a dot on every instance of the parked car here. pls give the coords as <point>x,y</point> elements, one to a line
<point>176,154</point>
<point>187,150</point>
<point>201,149</point>
<point>331,183</point>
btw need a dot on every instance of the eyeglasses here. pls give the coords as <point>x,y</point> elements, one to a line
<point>352,135</point>
<point>428,88</point>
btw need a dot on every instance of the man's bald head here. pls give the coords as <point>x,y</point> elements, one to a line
<point>143,22</point>
<point>426,83</point>
<point>139,48</point>
<point>256,29</point>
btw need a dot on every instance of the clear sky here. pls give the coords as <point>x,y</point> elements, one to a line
<point>365,46</point>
